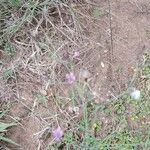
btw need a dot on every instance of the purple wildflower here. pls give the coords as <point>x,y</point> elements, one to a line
<point>76,54</point>
<point>57,134</point>
<point>70,78</point>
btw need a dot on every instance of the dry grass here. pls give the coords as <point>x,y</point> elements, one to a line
<point>38,43</point>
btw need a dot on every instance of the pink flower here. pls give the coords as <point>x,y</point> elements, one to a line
<point>57,134</point>
<point>76,54</point>
<point>70,78</point>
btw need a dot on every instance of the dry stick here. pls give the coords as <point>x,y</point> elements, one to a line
<point>111,37</point>
<point>115,36</point>
<point>56,28</point>
<point>110,54</point>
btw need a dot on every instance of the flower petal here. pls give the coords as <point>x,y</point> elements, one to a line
<point>57,134</point>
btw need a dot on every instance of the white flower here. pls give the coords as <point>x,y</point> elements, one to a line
<point>135,94</point>
<point>85,74</point>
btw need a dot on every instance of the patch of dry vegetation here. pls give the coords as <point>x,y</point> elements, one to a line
<point>64,67</point>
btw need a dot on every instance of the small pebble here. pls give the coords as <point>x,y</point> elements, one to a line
<point>102,64</point>
<point>43,92</point>
<point>73,110</point>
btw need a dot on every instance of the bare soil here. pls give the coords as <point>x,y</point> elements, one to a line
<point>111,48</point>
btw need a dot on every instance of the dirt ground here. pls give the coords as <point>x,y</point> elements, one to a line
<point>111,47</point>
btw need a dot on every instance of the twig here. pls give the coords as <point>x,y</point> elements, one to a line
<point>111,34</point>
<point>110,47</point>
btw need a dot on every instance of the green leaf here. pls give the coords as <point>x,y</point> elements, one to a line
<point>15,3</point>
<point>9,48</point>
<point>148,33</point>
<point>97,13</point>
<point>4,126</point>
<point>9,73</point>
<point>5,109</point>
<point>8,140</point>
<point>41,99</point>
<point>2,113</point>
